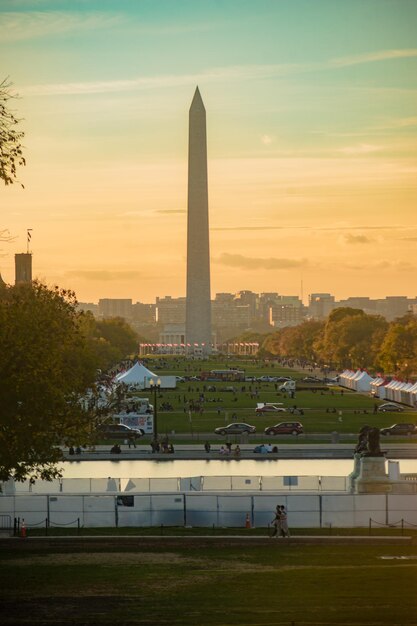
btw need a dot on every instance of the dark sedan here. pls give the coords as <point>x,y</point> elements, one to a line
<point>119,431</point>
<point>399,429</point>
<point>239,428</point>
<point>285,428</point>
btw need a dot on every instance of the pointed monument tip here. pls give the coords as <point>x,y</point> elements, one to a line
<point>197,99</point>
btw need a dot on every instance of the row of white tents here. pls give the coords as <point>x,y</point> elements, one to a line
<point>383,388</point>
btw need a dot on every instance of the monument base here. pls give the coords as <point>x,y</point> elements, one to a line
<point>372,476</point>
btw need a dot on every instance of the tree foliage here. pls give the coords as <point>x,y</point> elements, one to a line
<point>351,338</point>
<point>110,340</point>
<point>46,366</point>
<point>11,152</point>
<point>295,341</point>
<point>398,350</point>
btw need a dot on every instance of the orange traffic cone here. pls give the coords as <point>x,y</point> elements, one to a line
<point>23,529</point>
<point>247,521</point>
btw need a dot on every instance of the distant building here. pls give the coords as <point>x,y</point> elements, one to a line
<point>170,310</point>
<point>173,336</point>
<point>392,307</point>
<point>144,313</point>
<point>286,311</point>
<point>320,305</point>
<point>23,268</point>
<point>113,307</point>
<point>89,306</point>
<point>265,301</point>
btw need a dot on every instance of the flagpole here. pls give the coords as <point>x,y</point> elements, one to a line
<point>28,238</point>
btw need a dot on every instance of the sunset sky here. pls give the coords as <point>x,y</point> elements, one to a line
<point>312,119</point>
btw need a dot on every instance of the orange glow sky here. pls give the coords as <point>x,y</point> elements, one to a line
<point>311,110</point>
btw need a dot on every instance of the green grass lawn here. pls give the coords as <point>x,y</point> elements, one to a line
<point>199,582</point>
<point>222,407</point>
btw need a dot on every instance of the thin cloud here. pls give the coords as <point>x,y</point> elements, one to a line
<point>381,265</point>
<point>104,275</point>
<point>355,239</point>
<point>240,261</point>
<point>307,227</point>
<point>214,75</point>
<point>211,75</point>
<point>170,211</point>
<point>362,148</point>
<point>372,57</point>
<point>34,24</point>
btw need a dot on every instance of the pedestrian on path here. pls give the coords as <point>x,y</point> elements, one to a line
<point>276,523</point>
<point>284,522</point>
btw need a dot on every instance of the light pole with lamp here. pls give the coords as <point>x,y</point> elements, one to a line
<point>155,386</point>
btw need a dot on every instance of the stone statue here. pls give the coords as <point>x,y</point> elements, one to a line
<point>373,443</point>
<point>368,442</point>
<point>362,444</point>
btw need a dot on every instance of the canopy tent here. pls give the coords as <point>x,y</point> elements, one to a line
<point>362,381</point>
<point>140,376</point>
<point>136,375</point>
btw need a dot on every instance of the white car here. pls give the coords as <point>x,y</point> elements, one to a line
<point>269,408</point>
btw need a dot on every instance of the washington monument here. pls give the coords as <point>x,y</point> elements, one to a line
<point>198,305</point>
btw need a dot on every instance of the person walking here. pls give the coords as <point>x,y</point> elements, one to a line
<point>276,523</point>
<point>284,522</point>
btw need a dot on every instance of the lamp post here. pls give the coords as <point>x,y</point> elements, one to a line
<point>155,385</point>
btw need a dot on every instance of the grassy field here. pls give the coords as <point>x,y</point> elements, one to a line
<point>222,407</point>
<point>207,582</point>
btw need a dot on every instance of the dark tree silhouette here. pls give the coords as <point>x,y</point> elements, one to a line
<point>11,153</point>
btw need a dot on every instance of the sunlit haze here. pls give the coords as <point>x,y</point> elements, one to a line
<point>311,121</point>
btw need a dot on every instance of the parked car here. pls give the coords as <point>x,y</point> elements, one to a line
<point>265,448</point>
<point>311,379</point>
<point>119,431</point>
<point>235,429</point>
<point>399,429</point>
<point>267,379</point>
<point>390,407</point>
<point>285,428</point>
<point>268,407</point>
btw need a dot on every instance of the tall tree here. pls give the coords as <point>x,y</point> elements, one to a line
<point>397,353</point>
<point>351,338</point>
<point>46,367</point>
<point>11,151</point>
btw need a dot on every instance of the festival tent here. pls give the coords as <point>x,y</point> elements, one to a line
<point>140,376</point>
<point>344,378</point>
<point>412,396</point>
<point>401,392</point>
<point>378,387</point>
<point>136,375</point>
<point>391,387</point>
<point>361,381</point>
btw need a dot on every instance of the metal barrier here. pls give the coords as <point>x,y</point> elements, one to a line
<point>5,522</point>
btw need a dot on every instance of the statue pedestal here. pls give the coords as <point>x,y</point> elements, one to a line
<point>356,471</point>
<point>372,477</point>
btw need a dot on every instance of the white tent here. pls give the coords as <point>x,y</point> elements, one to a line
<point>137,375</point>
<point>362,381</point>
<point>140,376</point>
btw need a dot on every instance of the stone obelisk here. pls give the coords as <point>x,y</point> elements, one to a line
<point>198,304</point>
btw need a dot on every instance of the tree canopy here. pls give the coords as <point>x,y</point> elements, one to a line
<point>46,366</point>
<point>11,151</point>
<point>350,338</point>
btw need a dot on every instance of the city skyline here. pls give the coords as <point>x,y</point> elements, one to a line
<point>311,144</point>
